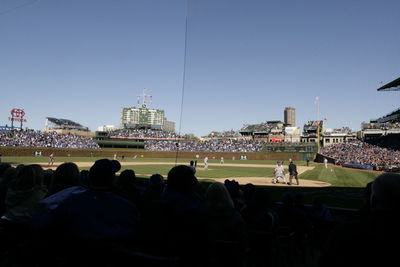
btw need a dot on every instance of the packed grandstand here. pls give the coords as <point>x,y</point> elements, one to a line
<point>32,138</point>
<point>362,153</point>
<point>64,124</point>
<point>141,133</point>
<point>356,152</point>
<point>214,145</point>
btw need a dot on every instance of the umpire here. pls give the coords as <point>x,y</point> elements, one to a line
<point>293,172</point>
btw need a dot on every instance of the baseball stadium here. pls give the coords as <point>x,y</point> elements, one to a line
<point>320,173</point>
<point>238,165</point>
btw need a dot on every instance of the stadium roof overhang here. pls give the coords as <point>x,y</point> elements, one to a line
<point>392,86</point>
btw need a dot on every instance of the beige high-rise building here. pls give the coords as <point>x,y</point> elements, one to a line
<point>290,117</point>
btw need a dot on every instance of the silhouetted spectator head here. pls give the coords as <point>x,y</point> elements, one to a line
<point>102,173</point>
<point>181,179</point>
<point>233,188</point>
<point>385,194</point>
<point>156,184</point>
<point>3,168</point>
<point>66,175</point>
<point>127,178</point>
<point>28,177</point>
<point>248,192</point>
<point>156,180</point>
<point>218,198</point>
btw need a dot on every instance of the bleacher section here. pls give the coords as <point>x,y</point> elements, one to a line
<point>64,124</point>
<point>393,117</point>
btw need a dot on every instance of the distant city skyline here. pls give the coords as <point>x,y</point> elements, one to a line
<point>245,60</point>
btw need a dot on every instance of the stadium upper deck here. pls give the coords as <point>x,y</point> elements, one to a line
<point>63,124</point>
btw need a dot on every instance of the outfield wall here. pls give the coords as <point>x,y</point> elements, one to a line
<point>129,153</point>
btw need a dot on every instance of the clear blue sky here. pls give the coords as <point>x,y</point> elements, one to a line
<point>246,60</point>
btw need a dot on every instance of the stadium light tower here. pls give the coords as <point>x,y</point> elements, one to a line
<point>317,104</point>
<point>145,98</point>
<point>318,124</point>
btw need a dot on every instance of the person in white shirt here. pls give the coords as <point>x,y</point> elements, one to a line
<point>206,163</point>
<point>222,160</point>
<point>51,159</point>
<point>279,173</point>
<point>326,163</point>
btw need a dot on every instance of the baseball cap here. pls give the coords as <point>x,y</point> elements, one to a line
<point>103,172</point>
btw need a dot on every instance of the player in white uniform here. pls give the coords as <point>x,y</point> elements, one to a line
<point>206,163</point>
<point>279,173</point>
<point>326,163</point>
<point>51,159</point>
<point>222,160</point>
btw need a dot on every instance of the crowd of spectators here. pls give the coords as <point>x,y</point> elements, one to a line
<point>390,141</point>
<point>32,138</point>
<point>141,133</point>
<point>96,218</point>
<point>67,216</point>
<point>212,145</point>
<point>224,134</point>
<point>359,152</point>
<point>380,125</point>
<point>262,127</point>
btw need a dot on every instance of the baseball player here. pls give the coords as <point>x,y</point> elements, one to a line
<point>279,173</point>
<point>293,172</point>
<point>51,159</point>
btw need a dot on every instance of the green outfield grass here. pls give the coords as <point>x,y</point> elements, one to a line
<point>139,159</point>
<point>212,172</point>
<point>338,176</point>
<point>346,190</point>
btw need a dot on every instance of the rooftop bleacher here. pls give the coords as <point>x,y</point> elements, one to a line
<point>261,127</point>
<point>56,123</point>
<point>393,116</point>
